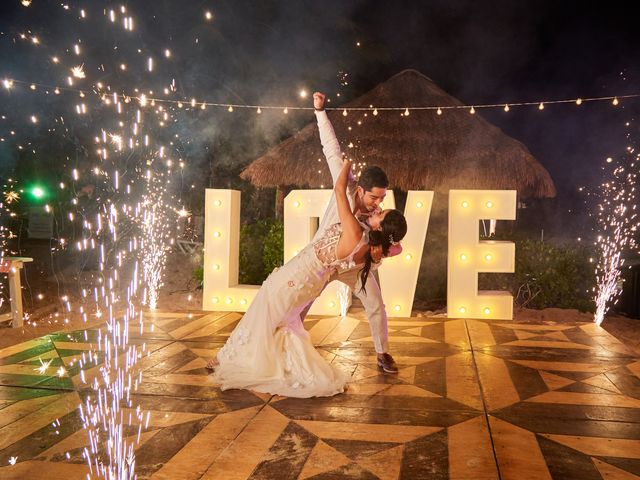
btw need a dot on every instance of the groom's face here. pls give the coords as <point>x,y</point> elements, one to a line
<point>370,200</point>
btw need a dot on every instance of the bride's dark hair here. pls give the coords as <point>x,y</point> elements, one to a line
<point>393,229</point>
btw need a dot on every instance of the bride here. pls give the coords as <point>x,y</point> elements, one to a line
<point>269,351</point>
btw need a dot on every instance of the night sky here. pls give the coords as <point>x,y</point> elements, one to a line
<point>265,52</point>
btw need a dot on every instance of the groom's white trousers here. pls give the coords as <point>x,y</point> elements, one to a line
<point>371,301</point>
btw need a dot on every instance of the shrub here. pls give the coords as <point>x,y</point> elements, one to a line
<point>547,275</point>
<point>261,249</point>
<point>273,253</point>
<point>198,275</point>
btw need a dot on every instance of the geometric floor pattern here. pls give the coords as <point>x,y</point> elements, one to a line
<point>473,400</point>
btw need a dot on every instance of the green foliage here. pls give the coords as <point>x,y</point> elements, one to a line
<point>273,247</point>
<point>261,250</point>
<point>547,275</point>
<point>431,290</point>
<point>198,275</point>
<point>261,247</point>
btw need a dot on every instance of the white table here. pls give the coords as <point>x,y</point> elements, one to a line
<point>11,266</point>
<point>187,246</point>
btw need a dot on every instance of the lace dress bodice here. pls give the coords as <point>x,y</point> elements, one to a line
<point>325,247</point>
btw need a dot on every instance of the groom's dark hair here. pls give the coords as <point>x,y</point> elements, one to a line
<point>372,177</point>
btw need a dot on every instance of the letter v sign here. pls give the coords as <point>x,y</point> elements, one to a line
<point>399,275</point>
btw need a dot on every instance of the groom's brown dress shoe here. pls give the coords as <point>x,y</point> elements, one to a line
<point>387,363</point>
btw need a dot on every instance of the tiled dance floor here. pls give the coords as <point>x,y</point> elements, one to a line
<point>473,400</point>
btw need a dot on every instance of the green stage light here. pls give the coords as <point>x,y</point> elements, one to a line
<point>37,192</point>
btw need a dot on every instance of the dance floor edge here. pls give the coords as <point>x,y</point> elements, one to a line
<point>474,399</point>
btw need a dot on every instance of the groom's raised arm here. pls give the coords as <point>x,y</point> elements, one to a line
<point>330,145</point>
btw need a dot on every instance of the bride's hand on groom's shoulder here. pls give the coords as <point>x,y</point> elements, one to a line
<point>394,250</point>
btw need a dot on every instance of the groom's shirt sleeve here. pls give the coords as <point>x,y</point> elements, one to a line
<point>330,145</point>
<point>333,154</point>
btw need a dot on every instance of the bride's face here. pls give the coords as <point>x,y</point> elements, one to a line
<point>375,219</point>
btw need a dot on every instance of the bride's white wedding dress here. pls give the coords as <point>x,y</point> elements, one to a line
<point>269,350</point>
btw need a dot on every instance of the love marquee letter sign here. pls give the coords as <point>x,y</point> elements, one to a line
<point>467,255</point>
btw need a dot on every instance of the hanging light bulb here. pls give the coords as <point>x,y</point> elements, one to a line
<point>406,112</point>
<point>230,109</point>
<point>439,111</point>
<point>344,112</point>
<point>375,111</point>
<point>472,111</point>
<point>259,110</point>
<point>578,101</point>
<point>615,101</point>
<point>506,107</point>
<point>541,106</point>
<point>286,110</point>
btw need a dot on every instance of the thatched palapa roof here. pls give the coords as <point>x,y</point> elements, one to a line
<point>422,151</point>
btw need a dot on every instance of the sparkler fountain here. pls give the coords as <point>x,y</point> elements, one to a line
<point>618,223</point>
<point>7,200</point>
<point>124,205</point>
<point>156,236</point>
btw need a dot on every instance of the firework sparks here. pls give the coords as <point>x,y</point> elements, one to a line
<point>78,71</point>
<point>43,366</point>
<point>7,201</point>
<point>618,222</point>
<point>126,211</point>
<point>11,196</point>
<point>155,238</point>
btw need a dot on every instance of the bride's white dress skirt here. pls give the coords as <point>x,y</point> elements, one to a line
<point>270,351</point>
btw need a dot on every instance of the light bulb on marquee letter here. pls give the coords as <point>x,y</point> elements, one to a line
<point>466,209</point>
<point>221,253</point>
<point>303,210</point>
<point>399,275</point>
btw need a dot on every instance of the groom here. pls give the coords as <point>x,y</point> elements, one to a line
<point>365,196</point>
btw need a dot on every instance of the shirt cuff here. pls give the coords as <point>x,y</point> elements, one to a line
<point>321,115</point>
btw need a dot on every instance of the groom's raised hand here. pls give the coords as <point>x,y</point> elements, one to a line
<point>318,101</point>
